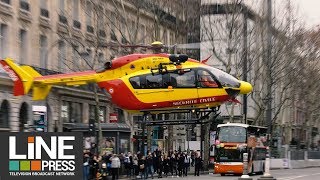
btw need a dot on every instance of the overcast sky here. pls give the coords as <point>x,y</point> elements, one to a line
<point>310,11</point>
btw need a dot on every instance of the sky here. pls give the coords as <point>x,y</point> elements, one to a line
<point>309,10</point>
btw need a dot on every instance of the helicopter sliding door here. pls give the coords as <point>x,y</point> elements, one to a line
<point>149,89</point>
<point>183,86</point>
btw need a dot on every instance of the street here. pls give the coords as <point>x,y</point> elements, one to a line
<point>281,174</point>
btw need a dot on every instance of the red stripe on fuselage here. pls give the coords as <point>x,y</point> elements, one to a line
<point>18,85</point>
<point>121,61</point>
<point>124,98</point>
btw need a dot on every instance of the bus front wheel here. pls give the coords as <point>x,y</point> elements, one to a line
<point>222,174</point>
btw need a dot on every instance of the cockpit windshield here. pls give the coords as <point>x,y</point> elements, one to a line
<point>225,79</point>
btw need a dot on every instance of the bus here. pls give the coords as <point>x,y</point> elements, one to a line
<point>234,139</point>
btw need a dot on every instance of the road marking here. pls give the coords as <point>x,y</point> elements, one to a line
<point>297,177</point>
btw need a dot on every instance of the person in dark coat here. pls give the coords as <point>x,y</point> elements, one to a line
<point>166,165</point>
<point>160,166</point>
<point>142,167</point>
<point>197,164</point>
<point>149,166</point>
<point>173,165</point>
<point>155,162</point>
<point>180,164</point>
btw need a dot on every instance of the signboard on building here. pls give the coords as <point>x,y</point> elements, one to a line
<point>39,118</point>
<point>113,117</point>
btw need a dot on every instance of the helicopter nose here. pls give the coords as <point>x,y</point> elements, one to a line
<point>245,87</point>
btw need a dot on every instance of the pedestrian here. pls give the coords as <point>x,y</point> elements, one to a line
<point>166,165</point>
<point>104,171</point>
<point>198,164</point>
<point>142,164</point>
<point>180,164</point>
<point>115,166</point>
<point>86,167</point>
<point>149,164</point>
<point>160,166</point>
<point>186,164</point>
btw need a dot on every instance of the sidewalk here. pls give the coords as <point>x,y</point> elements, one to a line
<point>190,173</point>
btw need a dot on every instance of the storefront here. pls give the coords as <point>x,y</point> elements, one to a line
<point>116,136</point>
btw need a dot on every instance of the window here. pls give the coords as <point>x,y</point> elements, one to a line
<point>4,114</point>
<point>4,40</point>
<point>102,113</point>
<point>75,10</point>
<point>24,5</point>
<point>186,80</point>
<point>6,1</point>
<point>154,81</point>
<point>43,51</point>
<point>71,112</point>
<point>135,82</point>
<point>23,46</point>
<point>76,112</point>
<point>61,56</point>
<point>205,79</point>
<point>225,79</point>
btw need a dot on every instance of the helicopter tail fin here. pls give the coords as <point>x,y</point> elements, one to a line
<point>22,76</point>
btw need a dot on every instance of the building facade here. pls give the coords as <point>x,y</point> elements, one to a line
<point>74,35</point>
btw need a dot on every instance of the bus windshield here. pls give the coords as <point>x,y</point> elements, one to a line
<point>232,134</point>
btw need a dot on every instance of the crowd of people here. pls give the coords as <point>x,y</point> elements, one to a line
<point>155,164</point>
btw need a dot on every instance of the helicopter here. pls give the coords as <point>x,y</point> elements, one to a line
<point>136,82</point>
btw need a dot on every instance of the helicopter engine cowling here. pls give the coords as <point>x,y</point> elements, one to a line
<point>178,58</point>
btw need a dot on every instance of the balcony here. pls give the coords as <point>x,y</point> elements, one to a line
<point>6,8</point>
<point>44,13</point>
<point>24,12</point>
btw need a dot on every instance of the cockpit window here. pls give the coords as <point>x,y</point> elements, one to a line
<point>205,79</point>
<point>224,78</point>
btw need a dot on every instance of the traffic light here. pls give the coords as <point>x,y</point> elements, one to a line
<point>92,127</point>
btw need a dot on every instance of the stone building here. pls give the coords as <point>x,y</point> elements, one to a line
<point>60,37</point>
